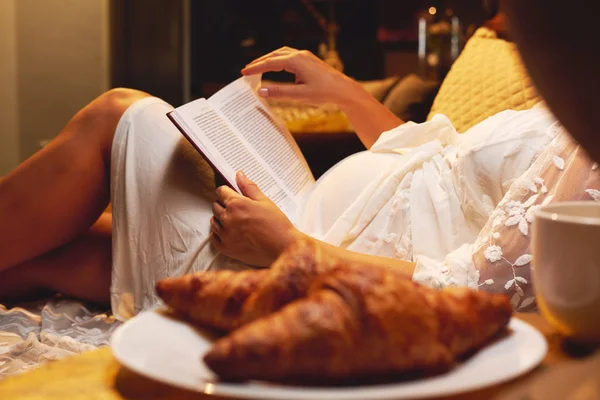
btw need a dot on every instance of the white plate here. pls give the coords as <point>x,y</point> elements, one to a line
<point>170,351</point>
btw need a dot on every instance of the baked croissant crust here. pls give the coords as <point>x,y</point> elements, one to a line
<point>313,318</point>
<point>225,300</point>
<point>361,323</point>
<point>211,298</point>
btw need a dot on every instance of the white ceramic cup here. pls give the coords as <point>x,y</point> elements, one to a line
<point>566,268</point>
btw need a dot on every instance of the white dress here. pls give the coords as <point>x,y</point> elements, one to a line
<point>422,193</point>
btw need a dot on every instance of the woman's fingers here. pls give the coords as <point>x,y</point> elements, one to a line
<point>225,194</point>
<point>287,63</point>
<point>216,227</point>
<point>218,211</point>
<point>279,52</point>
<point>216,241</point>
<point>292,91</point>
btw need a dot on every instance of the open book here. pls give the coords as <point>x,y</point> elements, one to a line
<point>235,130</point>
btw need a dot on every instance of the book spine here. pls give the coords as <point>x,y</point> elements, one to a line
<point>218,174</point>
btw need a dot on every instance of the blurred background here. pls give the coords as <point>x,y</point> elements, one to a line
<point>57,55</point>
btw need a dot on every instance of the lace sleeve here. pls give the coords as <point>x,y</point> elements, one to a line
<point>501,255</point>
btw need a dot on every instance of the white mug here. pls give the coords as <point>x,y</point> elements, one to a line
<point>566,268</point>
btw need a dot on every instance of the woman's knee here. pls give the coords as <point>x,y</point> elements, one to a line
<point>98,120</point>
<point>112,104</point>
<point>119,99</point>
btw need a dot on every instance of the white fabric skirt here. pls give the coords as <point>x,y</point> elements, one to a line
<point>161,193</point>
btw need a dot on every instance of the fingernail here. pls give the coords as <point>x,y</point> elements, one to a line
<point>263,92</point>
<point>243,176</point>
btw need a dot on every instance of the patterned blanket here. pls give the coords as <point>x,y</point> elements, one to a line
<point>34,333</point>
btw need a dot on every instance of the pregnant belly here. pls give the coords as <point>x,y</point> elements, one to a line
<point>335,191</point>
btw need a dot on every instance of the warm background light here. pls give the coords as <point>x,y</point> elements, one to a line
<point>432,10</point>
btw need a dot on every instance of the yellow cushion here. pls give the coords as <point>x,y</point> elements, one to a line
<point>487,77</point>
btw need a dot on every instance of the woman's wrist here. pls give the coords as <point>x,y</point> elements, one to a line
<point>366,114</point>
<point>352,96</point>
<point>288,238</point>
<point>291,237</point>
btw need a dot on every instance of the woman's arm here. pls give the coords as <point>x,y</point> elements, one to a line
<point>352,257</point>
<point>502,255</point>
<point>252,229</point>
<point>368,116</point>
<point>318,83</point>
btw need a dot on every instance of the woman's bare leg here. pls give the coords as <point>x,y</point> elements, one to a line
<point>57,194</point>
<point>80,269</point>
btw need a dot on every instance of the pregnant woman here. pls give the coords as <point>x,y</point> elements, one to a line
<point>445,208</point>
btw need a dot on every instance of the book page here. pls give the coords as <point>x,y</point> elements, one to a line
<point>224,149</point>
<point>268,139</point>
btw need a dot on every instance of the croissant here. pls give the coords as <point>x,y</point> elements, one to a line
<point>210,298</point>
<point>290,278</point>
<point>361,323</point>
<point>225,300</point>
